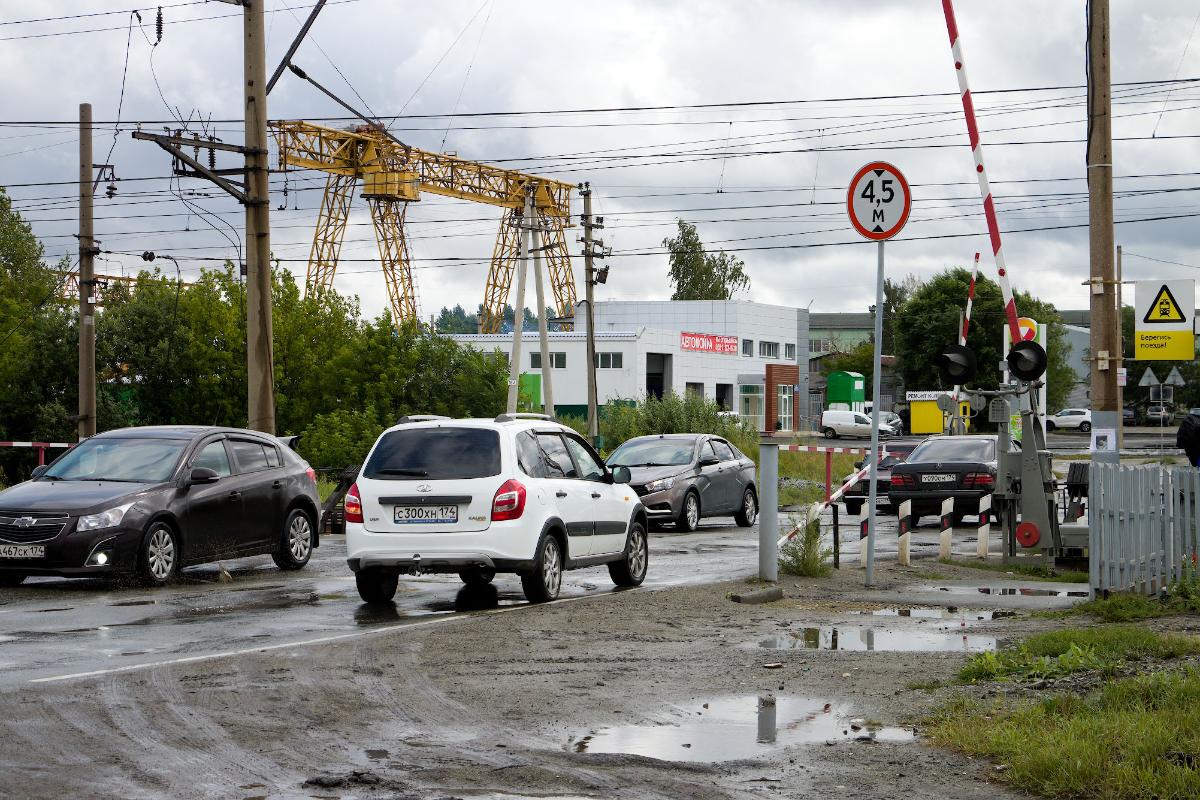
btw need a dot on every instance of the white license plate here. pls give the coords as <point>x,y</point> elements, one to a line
<point>938,478</point>
<point>22,551</point>
<point>415,515</point>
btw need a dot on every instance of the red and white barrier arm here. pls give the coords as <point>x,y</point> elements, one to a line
<point>814,510</point>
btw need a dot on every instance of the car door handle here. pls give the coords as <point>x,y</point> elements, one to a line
<point>560,493</point>
<point>234,495</point>
<point>277,485</point>
<point>596,495</point>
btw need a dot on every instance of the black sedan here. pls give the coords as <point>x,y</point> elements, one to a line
<point>962,467</point>
<point>858,494</point>
<point>147,501</point>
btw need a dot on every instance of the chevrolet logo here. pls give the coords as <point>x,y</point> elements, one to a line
<point>424,487</point>
<point>24,522</point>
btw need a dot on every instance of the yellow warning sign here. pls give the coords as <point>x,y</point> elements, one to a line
<point>1164,345</point>
<point>1165,308</point>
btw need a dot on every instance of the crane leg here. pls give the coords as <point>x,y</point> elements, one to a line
<point>499,280</point>
<point>331,227</point>
<point>388,216</point>
<point>562,277</point>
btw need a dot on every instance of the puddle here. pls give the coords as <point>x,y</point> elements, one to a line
<point>998,590</point>
<point>949,612</point>
<point>851,637</point>
<point>123,603</point>
<point>377,755</point>
<point>735,728</point>
<point>48,610</point>
<point>474,598</point>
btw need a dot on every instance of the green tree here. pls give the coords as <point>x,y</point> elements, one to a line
<point>861,359</point>
<point>700,275</point>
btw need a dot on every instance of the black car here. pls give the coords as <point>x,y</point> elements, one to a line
<point>858,494</point>
<point>962,467</point>
<point>147,501</point>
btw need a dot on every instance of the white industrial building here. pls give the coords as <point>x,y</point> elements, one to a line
<point>720,349</point>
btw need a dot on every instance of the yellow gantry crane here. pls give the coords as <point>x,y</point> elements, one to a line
<point>394,175</point>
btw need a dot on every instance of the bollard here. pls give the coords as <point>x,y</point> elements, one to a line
<point>985,525</point>
<point>768,521</point>
<point>905,528</point>
<point>947,528</point>
<point>837,540</point>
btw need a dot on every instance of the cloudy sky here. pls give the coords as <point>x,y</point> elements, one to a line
<point>761,170</point>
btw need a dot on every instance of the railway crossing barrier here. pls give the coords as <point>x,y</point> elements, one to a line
<point>41,448</point>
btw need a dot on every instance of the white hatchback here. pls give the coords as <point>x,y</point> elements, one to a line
<point>519,494</point>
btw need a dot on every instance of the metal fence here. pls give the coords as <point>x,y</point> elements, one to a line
<point>1144,526</point>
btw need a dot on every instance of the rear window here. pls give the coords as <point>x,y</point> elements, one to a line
<point>954,449</point>
<point>439,454</point>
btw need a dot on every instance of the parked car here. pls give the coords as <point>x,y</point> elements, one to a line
<point>859,493</point>
<point>1129,415</point>
<point>1158,414</point>
<point>147,501</point>
<point>517,494</point>
<point>1079,419</point>
<point>683,477</point>
<point>962,467</point>
<point>835,423</point>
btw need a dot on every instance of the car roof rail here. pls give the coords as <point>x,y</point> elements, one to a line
<point>407,418</point>
<point>523,415</point>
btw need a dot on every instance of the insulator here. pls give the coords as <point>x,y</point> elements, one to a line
<point>212,158</point>
<point>158,25</point>
<point>110,191</point>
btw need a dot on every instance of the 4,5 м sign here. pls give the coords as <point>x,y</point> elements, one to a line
<point>878,201</point>
<point>1163,318</point>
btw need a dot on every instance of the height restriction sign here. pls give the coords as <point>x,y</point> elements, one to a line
<point>878,201</point>
<point>1162,320</point>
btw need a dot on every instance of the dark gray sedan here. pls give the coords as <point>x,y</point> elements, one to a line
<point>682,477</point>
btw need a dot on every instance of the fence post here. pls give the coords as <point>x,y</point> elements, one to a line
<point>1095,527</point>
<point>837,540</point>
<point>905,526</point>
<point>985,526</point>
<point>947,528</point>
<point>768,523</point>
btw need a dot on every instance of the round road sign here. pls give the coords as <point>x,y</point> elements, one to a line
<point>878,201</point>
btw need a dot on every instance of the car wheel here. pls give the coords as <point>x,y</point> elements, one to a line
<point>830,433</point>
<point>376,585</point>
<point>1086,427</point>
<point>748,513</point>
<point>543,584</point>
<point>1049,426</point>
<point>631,570</point>
<point>476,576</point>
<point>11,579</point>
<point>689,515</point>
<point>854,507</point>
<point>295,547</point>
<point>158,560</point>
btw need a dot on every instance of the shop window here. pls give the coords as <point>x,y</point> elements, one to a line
<point>695,389</point>
<point>750,409</point>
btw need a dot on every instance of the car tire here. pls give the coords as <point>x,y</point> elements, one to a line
<point>543,584</point>
<point>689,515</point>
<point>854,507</point>
<point>1085,427</point>
<point>158,558</point>
<point>631,570</point>
<point>296,543</point>
<point>10,579</point>
<point>1049,426</point>
<point>377,585</point>
<point>476,576</point>
<point>748,513</point>
<point>830,433</point>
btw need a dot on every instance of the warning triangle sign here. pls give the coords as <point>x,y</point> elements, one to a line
<point>1165,308</point>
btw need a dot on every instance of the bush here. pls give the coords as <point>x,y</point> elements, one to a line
<point>674,414</point>
<point>803,554</point>
<point>341,438</point>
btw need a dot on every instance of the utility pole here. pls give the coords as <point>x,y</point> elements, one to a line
<point>87,280</point>
<point>1120,334</point>
<point>591,277</point>
<point>1105,410</point>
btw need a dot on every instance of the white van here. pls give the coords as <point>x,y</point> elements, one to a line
<point>851,423</point>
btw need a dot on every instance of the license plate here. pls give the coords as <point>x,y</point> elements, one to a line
<point>22,551</point>
<point>415,515</point>
<point>938,478</point>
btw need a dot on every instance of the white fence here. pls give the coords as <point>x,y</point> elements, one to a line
<point>1144,526</point>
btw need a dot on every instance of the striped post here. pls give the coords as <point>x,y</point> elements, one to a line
<point>905,527</point>
<point>966,326</point>
<point>985,525</point>
<point>947,528</point>
<point>985,191</point>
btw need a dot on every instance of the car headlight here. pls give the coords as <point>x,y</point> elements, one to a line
<point>660,484</point>
<point>105,519</point>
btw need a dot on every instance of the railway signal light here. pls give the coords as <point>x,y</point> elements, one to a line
<point>957,365</point>
<point>1027,360</point>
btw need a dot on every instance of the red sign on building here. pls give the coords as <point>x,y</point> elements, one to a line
<point>706,343</point>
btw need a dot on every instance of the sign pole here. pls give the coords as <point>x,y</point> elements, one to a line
<point>872,498</point>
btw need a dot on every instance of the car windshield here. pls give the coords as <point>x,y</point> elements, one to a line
<point>438,454</point>
<point>954,449</point>
<point>119,459</point>
<point>653,453</point>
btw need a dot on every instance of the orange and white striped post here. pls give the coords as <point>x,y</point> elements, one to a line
<point>947,528</point>
<point>985,525</point>
<point>905,529</point>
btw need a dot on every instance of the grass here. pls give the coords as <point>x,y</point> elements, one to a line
<point>804,556</point>
<point>1134,739</point>
<point>325,488</point>
<point>924,686</point>
<point>811,466</point>
<point>1055,654</point>
<point>1065,575</point>
<point>1182,598</point>
<point>800,495</point>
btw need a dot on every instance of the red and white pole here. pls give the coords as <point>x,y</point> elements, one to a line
<point>985,191</point>
<point>966,324</point>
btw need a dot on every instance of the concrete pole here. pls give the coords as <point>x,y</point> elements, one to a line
<point>1106,412</point>
<point>87,280</point>
<point>768,520</point>
<point>543,327</point>
<point>514,366</point>
<point>1120,359</point>
<point>260,369</point>
<point>589,282</point>
<point>872,499</point>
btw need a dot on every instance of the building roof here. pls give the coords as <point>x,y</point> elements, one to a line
<point>552,335</point>
<point>841,321</point>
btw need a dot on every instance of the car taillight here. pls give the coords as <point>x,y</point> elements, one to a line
<point>978,480</point>
<point>509,502</point>
<point>902,481</point>
<point>312,475</point>
<point>353,505</point>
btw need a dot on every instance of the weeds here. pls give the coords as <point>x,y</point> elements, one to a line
<point>803,554</point>
<point>1182,597</point>
<point>1064,576</point>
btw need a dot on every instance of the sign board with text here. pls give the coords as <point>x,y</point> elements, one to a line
<point>707,343</point>
<point>1163,314</point>
<point>878,201</point>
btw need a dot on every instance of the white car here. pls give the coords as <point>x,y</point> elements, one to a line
<point>837,423</point>
<point>1079,419</point>
<point>519,494</point>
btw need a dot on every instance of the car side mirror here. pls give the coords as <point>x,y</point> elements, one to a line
<point>621,474</point>
<point>39,470</point>
<point>708,461</point>
<point>200,476</point>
